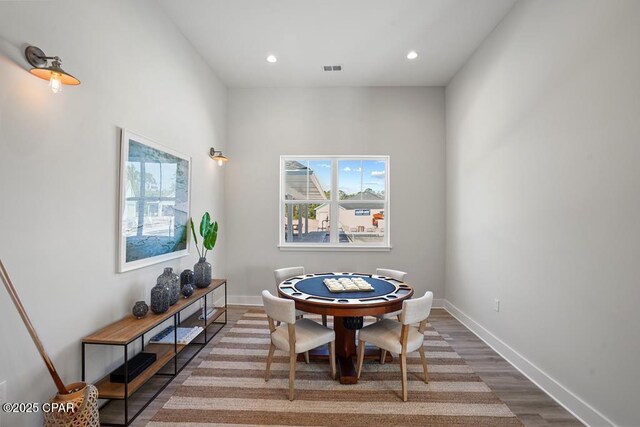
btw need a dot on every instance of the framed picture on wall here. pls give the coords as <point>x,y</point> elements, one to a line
<point>154,203</point>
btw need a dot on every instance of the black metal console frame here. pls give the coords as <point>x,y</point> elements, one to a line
<point>176,370</point>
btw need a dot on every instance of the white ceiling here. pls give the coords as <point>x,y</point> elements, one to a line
<point>369,38</point>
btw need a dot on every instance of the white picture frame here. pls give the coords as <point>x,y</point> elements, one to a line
<point>154,203</point>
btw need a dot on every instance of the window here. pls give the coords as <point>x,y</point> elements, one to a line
<point>334,202</point>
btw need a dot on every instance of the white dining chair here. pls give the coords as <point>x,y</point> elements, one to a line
<point>283,274</point>
<point>294,335</point>
<point>394,274</point>
<point>399,336</point>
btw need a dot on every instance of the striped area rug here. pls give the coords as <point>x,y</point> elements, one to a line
<point>228,388</point>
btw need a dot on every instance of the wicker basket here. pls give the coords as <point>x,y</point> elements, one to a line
<point>84,398</point>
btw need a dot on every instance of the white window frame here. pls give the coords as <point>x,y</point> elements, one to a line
<point>335,206</point>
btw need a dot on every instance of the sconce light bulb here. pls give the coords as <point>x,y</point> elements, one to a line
<point>220,162</point>
<point>412,55</point>
<point>55,83</point>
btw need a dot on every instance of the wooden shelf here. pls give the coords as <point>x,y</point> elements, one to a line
<point>109,390</point>
<point>128,329</point>
<point>193,320</point>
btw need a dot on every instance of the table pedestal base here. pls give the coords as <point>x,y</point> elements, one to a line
<point>345,352</point>
<point>347,373</point>
<point>346,368</point>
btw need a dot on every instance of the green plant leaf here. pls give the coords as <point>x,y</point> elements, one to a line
<point>193,231</point>
<point>204,225</point>
<point>210,240</point>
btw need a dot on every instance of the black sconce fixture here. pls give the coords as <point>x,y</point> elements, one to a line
<point>217,155</point>
<point>54,73</point>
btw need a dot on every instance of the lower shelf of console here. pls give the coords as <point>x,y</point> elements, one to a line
<point>110,390</point>
<point>165,353</point>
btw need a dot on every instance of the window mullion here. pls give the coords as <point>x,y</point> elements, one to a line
<point>334,235</point>
<point>282,208</point>
<point>387,218</point>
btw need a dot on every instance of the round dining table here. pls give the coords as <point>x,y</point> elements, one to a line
<point>347,308</point>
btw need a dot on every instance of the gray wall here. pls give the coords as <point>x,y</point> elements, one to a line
<point>405,123</point>
<point>59,159</point>
<point>543,189</point>
<point>542,184</point>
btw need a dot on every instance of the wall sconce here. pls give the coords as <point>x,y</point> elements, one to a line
<point>217,155</point>
<point>56,75</point>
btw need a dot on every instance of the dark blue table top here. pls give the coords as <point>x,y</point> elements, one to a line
<point>315,286</point>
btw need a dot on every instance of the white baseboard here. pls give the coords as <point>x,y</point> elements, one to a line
<point>244,300</point>
<point>567,399</point>
<point>438,303</point>
<point>257,300</point>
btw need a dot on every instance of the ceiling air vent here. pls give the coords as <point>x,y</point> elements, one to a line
<point>332,67</point>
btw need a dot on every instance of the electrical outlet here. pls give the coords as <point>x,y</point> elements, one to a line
<point>496,304</point>
<point>3,392</point>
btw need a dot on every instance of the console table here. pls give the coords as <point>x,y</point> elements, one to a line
<point>130,329</point>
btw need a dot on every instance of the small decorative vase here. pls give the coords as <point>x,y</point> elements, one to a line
<point>172,282</point>
<point>159,299</point>
<point>186,278</point>
<point>202,273</point>
<point>187,290</point>
<point>140,309</point>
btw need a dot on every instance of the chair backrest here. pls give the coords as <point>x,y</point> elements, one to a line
<point>280,309</point>
<point>282,274</point>
<point>417,309</point>
<point>395,274</point>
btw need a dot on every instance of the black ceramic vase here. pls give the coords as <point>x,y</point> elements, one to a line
<point>202,273</point>
<point>159,299</point>
<point>172,282</point>
<point>187,290</point>
<point>186,278</point>
<point>140,309</point>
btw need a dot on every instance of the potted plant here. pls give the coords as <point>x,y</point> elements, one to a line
<point>209,234</point>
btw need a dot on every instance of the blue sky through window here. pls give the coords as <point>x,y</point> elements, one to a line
<point>357,175</point>
<point>353,175</point>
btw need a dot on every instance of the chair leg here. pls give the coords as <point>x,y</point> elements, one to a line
<point>383,355</point>
<point>403,369</point>
<point>332,358</point>
<point>360,356</point>
<point>306,357</point>
<point>272,348</point>
<point>324,320</point>
<point>292,373</point>
<point>424,365</point>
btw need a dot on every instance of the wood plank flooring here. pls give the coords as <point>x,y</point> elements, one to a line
<point>532,406</point>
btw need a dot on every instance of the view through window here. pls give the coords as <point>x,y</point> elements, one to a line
<point>334,200</point>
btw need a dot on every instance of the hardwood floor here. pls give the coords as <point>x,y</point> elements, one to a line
<point>532,406</point>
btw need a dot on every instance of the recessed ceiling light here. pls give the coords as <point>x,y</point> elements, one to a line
<point>412,55</point>
<point>272,59</point>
